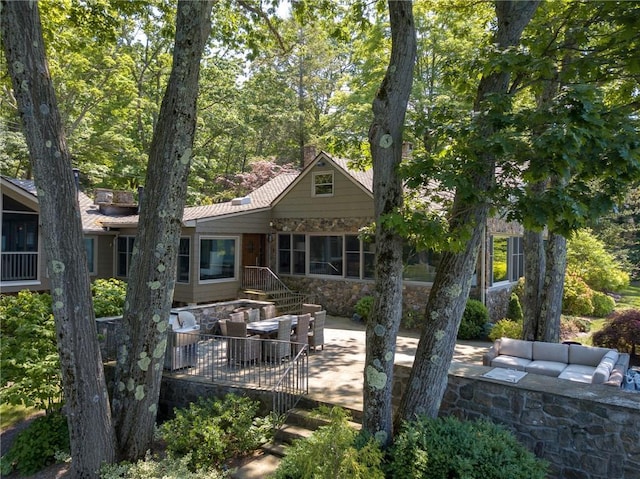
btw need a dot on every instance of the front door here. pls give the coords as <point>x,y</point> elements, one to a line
<point>254,250</point>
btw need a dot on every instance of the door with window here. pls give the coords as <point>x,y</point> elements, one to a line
<point>254,250</point>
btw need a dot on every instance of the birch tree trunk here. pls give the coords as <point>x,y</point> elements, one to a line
<point>86,399</point>
<point>143,332</point>
<point>448,296</point>
<point>385,138</point>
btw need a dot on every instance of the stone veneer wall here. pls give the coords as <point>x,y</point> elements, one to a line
<point>585,431</point>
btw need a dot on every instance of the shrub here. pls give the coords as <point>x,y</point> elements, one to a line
<point>108,297</point>
<point>576,297</point>
<point>36,446</point>
<point>588,258</point>
<point>364,307</point>
<point>447,447</point>
<point>603,304</point>
<point>215,430</point>
<point>332,452</point>
<point>514,310</point>
<point>506,328</point>
<point>150,467</point>
<point>473,320</point>
<point>571,326</point>
<point>28,353</point>
<point>622,332</point>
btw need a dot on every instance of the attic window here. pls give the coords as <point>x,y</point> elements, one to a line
<point>323,183</point>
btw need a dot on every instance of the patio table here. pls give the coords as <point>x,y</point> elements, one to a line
<point>269,327</point>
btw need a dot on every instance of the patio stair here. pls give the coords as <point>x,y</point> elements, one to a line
<point>300,423</point>
<point>260,283</point>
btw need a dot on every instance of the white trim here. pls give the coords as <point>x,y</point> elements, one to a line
<point>314,185</point>
<point>236,258</point>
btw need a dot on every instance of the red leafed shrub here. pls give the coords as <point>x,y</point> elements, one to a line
<point>622,332</point>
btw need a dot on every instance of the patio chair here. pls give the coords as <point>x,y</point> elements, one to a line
<point>301,336</point>
<point>269,311</point>
<point>237,317</point>
<point>251,315</point>
<point>310,308</point>
<point>316,335</point>
<point>240,347</point>
<point>276,351</point>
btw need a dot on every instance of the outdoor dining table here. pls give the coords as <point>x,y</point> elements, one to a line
<point>269,327</point>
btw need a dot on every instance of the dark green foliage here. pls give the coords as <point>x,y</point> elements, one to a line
<point>214,430</point>
<point>447,447</point>
<point>622,332</point>
<point>364,307</point>
<point>603,304</point>
<point>36,447</point>
<point>108,297</point>
<point>514,310</point>
<point>334,451</point>
<point>474,318</point>
<point>29,356</point>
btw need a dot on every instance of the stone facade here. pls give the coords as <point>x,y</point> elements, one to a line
<point>584,431</point>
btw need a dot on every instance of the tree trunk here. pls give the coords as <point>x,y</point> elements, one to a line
<point>143,332</point>
<point>534,271</point>
<point>551,308</point>
<point>385,138</point>
<point>86,398</point>
<point>448,296</point>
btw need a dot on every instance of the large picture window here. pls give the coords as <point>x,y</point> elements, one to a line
<point>325,255</point>
<point>507,259</point>
<point>419,265</point>
<point>217,258</point>
<point>184,257</point>
<point>292,254</point>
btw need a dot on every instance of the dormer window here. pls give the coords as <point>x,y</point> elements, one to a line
<point>323,183</point>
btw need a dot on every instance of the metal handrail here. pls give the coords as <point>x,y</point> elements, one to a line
<point>285,396</point>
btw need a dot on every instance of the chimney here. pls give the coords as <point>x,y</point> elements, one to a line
<point>309,154</point>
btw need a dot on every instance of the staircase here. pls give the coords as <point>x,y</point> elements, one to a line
<point>300,423</point>
<point>262,284</point>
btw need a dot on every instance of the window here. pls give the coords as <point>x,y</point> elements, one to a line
<point>19,242</point>
<point>292,254</point>
<point>184,256</point>
<point>419,265</point>
<point>125,250</point>
<point>217,258</point>
<point>90,248</point>
<point>323,184</point>
<point>325,255</point>
<point>507,259</point>
<point>360,257</point>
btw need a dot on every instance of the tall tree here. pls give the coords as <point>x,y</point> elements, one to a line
<point>90,427</point>
<point>385,138</point>
<point>143,330</point>
<point>471,206</point>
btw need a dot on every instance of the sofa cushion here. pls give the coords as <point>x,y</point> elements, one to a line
<point>556,352</point>
<point>586,355</point>
<point>516,347</point>
<point>546,368</point>
<point>510,362</point>
<point>578,372</point>
<point>603,370</point>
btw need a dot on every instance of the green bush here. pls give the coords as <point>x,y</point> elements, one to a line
<point>474,318</point>
<point>28,353</point>
<point>215,430</point>
<point>364,307</point>
<point>36,446</point>
<point>447,447</point>
<point>506,328</point>
<point>576,297</point>
<point>588,258</point>
<point>514,310</point>
<point>332,452</point>
<point>603,304</point>
<point>622,332</point>
<point>108,297</point>
<point>151,467</point>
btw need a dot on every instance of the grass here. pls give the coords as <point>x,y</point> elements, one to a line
<point>12,415</point>
<point>630,297</point>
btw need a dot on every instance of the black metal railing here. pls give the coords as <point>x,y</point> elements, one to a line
<point>263,279</point>
<point>18,266</point>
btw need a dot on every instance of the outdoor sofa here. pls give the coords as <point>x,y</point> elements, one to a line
<point>574,362</point>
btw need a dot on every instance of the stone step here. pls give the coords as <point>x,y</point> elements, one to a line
<point>311,420</point>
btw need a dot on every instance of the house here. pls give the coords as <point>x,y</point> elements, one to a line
<point>304,227</point>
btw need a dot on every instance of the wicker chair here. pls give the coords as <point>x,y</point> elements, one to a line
<point>316,335</point>
<point>276,351</point>
<point>240,347</point>
<point>269,311</point>
<point>237,317</point>
<point>301,336</point>
<point>251,315</point>
<point>310,308</point>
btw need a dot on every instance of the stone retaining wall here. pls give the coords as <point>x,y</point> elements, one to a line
<point>585,431</point>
